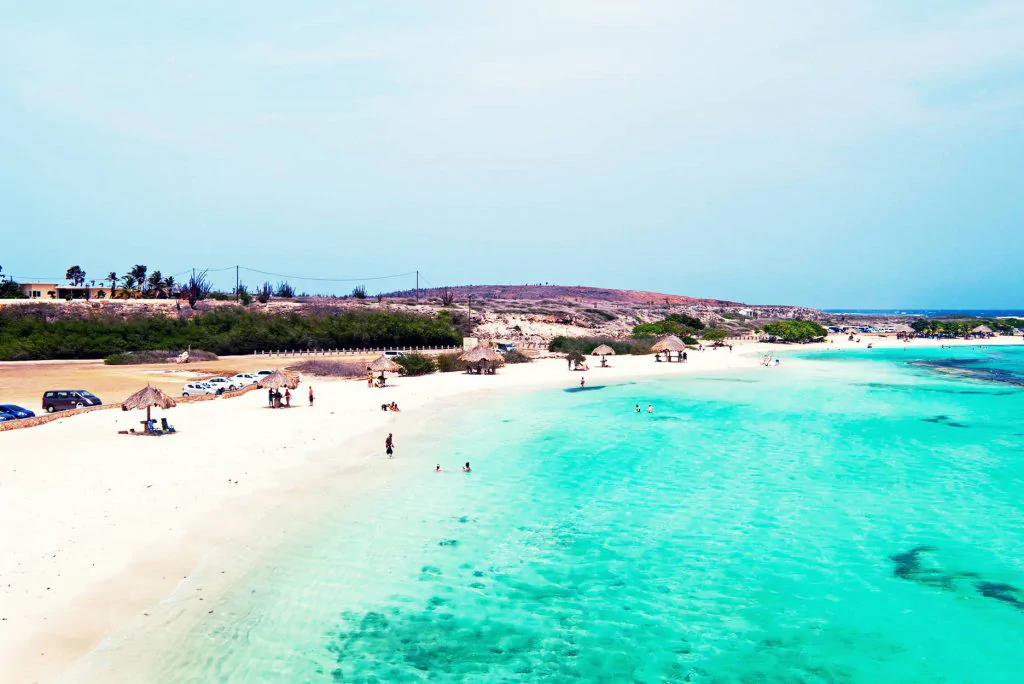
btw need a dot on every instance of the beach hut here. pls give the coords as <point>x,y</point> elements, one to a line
<point>603,351</point>
<point>147,398</point>
<point>982,331</point>
<point>384,364</point>
<point>482,358</point>
<point>277,380</point>
<point>669,344</point>
<point>903,329</point>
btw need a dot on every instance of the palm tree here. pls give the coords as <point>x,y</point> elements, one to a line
<point>170,284</point>
<point>128,285</point>
<point>155,283</point>
<point>112,277</point>
<point>138,272</point>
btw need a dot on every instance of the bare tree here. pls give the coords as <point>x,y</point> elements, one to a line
<point>447,296</point>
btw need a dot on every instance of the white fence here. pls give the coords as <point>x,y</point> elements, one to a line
<point>351,352</point>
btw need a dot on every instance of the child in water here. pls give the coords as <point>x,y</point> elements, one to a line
<point>437,468</point>
<point>466,468</point>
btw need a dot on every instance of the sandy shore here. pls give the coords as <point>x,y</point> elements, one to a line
<point>98,526</point>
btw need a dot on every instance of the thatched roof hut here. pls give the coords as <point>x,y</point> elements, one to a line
<point>982,330</point>
<point>482,356</point>
<point>603,350</point>
<point>147,398</point>
<point>903,328</point>
<point>384,364</point>
<point>669,343</point>
<point>277,380</point>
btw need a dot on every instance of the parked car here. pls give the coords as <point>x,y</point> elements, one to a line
<point>16,412</point>
<point>502,348</point>
<point>394,353</point>
<point>195,389</point>
<point>5,418</point>
<point>260,374</point>
<point>244,379</point>
<point>62,400</point>
<point>223,384</point>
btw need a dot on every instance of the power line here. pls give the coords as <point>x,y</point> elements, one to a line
<point>327,280</point>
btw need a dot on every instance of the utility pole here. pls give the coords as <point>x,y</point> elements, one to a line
<point>470,299</point>
<point>236,282</point>
<point>417,286</point>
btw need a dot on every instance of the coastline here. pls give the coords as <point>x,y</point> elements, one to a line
<point>98,539</point>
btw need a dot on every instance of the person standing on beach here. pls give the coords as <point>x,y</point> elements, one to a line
<point>310,395</point>
<point>369,378</point>
<point>270,398</point>
<point>287,397</point>
<point>583,381</point>
<point>389,445</point>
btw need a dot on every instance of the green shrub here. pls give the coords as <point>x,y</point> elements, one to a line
<point>416,364</point>
<point>585,345</point>
<point>28,333</point>
<point>450,363</point>
<point>796,330</point>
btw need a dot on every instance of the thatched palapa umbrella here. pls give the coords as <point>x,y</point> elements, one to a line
<point>277,380</point>
<point>669,344</point>
<point>603,350</point>
<point>384,364</point>
<point>147,398</point>
<point>482,355</point>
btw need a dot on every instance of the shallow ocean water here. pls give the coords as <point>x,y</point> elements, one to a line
<point>860,521</point>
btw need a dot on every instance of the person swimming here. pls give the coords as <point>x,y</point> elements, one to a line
<point>650,408</point>
<point>437,468</point>
<point>466,468</point>
<point>637,409</point>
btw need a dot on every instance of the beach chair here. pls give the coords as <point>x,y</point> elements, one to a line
<point>150,428</point>
<point>168,428</point>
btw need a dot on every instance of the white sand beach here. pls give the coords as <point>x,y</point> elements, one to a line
<point>97,526</point>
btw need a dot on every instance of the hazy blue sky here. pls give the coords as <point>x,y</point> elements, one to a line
<point>828,154</point>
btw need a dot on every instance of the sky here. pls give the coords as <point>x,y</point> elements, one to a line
<point>840,154</point>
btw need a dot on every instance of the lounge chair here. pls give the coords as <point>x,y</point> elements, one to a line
<point>168,428</point>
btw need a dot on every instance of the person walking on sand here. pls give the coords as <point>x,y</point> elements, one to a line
<point>369,378</point>
<point>583,381</point>
<point>287,397</point>
<point>389,445</point>
<point>270,398</point>
<point>310,395</point>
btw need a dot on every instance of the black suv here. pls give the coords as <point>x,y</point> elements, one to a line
<point>62,400</point>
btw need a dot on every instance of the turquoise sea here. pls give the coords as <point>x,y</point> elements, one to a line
<point>852,517</point>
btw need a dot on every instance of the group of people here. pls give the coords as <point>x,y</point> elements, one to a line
<point>379,382</point>
<point>390,407</point>
<point>275,398</point>
<point>465,468</point>
<point>650,408</point>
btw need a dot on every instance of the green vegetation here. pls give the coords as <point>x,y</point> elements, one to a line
<point>585,345</point>
<point>715,334</point>
<point>795,330</point>
<point>450,362</point>
<point>575,357</point>
<point>26,333</point>
<point>960,328</point>
<point>416,364</point>
<point>681,325</point>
